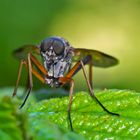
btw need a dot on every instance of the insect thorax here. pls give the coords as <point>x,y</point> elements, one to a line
<point>56,70</point>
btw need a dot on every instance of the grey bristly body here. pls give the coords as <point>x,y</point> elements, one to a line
<point>57,65</point>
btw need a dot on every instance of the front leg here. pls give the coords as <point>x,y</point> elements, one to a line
<point>80,65</point>
<point>64,80</point>
<point>28,63</point>
<point>30,80</point>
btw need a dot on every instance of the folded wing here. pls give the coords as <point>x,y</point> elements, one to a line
<point>22,52</point>
<point>100,59</point>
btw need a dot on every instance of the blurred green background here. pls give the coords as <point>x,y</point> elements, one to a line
<point>111,26</point>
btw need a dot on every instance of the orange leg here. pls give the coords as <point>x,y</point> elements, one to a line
<point>31,70</point>
<point>30,80</point>
<point>38,65</point>
<point>92,94</point>
<point>64,80</point>
<point>19,75</point>
<point>67,78</point>
<point>73,71</point>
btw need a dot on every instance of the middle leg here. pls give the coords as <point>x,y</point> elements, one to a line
<point>92,94</point>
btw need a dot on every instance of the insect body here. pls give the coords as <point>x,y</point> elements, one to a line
<point>58,56</point>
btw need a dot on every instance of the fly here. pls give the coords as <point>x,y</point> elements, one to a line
<point>55,71</point>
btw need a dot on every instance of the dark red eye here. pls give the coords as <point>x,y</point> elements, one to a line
<point>58,47</point>
<point>46,44</point>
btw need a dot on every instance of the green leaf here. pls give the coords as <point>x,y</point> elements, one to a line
<point>12,121</point>
<point>88,117</point>
<point>4,136</point>
<point>43,129</point>
<point>17,124</point>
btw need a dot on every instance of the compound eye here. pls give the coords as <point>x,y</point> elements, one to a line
<point>58,47</point>
<point>46,44</point>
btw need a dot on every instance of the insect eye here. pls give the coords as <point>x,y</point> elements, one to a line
<point>46,44</point>
<point>58,47</point>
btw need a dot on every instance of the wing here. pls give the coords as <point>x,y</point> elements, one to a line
<point>22,52</point>
<point>99,59</point>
